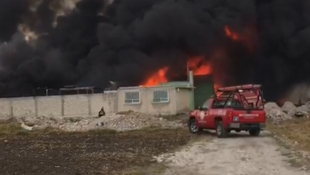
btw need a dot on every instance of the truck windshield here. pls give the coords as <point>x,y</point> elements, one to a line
<point>206,104</point>
<point>239,101</point>
<point>229,104</point>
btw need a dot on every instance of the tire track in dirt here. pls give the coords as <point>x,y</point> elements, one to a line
<point>237,155</point>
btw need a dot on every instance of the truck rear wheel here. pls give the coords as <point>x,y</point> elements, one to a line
<point>221,132</point>
<point>192,126</point>
<point>254,132</point>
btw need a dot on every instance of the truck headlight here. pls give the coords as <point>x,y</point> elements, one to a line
<point>235,119</point>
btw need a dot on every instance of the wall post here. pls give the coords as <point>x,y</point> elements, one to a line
<point>89,104</point>
<point>11,109</point>
<point>62,105</point>
<point>192,94</point>
<point>35,106</point>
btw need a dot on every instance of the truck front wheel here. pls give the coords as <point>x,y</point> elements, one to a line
<point>221,132</point>
<point>192,126</point>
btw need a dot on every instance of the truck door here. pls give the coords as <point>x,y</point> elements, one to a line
<point>212,113</point>
<point>204,113</point>
<point>216,109</point>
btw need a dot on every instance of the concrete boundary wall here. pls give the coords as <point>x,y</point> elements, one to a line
<point>55,106</point>
<point>83,105</point>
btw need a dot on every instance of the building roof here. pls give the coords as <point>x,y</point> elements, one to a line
<point>177,84</point>
<point>173,84</point>
<point>76,88</point>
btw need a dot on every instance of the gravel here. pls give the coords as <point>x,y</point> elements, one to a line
<point>120,122</point>
<point>239,155</point>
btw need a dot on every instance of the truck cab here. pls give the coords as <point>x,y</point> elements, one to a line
<point>234,108</point>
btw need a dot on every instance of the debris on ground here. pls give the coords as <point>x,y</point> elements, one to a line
<point>120,122</point>
<point>28,128</point>
<point>287,112</point>
<point>93,152</point>
<point>275,113</point>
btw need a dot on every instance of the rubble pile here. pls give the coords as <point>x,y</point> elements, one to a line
<point>135,120</point>
<point>287,111</point>
<point>120,122</point>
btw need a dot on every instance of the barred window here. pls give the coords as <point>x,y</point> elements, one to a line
<point>160,96</point>
<point>132,97</point>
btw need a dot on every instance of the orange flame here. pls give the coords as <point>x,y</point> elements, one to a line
<point>248,37</point>
<point>199,66</point>
<point>232,35</point>
<point>157,78</point>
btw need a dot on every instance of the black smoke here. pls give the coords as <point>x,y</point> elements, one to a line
<point>129,39</point>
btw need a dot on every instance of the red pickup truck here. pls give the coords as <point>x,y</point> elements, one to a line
<point>238,108</point>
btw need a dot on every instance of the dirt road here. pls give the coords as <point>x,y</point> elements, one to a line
<point>238,155</point>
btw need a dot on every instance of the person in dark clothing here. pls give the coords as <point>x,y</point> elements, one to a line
<point>101,112</point>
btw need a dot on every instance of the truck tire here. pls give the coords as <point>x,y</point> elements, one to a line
<point>221,132</point>
<point>238,130</point>
<point>254,132</point>
<point>192,126</point>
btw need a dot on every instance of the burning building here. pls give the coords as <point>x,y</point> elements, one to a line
<point>90,42</point>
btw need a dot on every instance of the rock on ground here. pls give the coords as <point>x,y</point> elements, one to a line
<point>120,122</point>
<point>240,155</point>
<point>286,112</point>
<point>289,108</point>
<point>275,113</point>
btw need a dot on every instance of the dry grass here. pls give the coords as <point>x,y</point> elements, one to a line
<point>294,138</point>
<point>11,128</point>
<point>297,130</point>
<point>154,169</point>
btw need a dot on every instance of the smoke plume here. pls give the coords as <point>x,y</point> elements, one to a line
<point>91,42</point>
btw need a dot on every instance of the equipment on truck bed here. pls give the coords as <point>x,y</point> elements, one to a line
<point>250,95</point>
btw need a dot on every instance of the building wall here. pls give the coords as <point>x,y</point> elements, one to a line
<point>183,98</point>
<point>165,108</point>
<point>89,105</point>
<point>179,101</point>
<point>146,104</point>
<point>54,106</point>
<point>5,108</point>
<point>76,104</point>
<point>23,106</point>
<point>49,106</point>
<point>108,101</point>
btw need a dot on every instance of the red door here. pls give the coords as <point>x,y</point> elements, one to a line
<point>203,115</point>
<point>209,119</point>
<point>202,118</point>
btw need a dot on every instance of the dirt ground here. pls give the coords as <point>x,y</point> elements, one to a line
<point>132,152</point>
<point>296,130</point>
<point>239,154</point>
<point>93,152</point>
